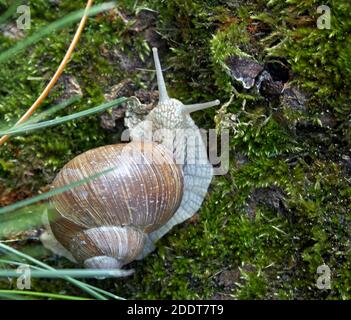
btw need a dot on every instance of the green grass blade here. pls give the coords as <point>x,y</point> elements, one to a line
<point>42,115</point>
<point>74,273</point>
<point>24,219</point>
<point>106,293</point>
<point>59,24</point>
<point>79,284</point>
<point>8,296</point>
<point>54,122</point>
<point>6,261</point>
<point>41,294</point>
<point>52,110</point>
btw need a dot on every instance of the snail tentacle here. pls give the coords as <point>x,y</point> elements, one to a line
<point>160,79</point>
<point>199,106</point>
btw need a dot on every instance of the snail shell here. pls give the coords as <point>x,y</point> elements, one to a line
<point>104,222</point>
<point>117,217</point>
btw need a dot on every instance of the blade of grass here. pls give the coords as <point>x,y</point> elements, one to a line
<point>7,296</point>
<point>74,273</point>
<point>106,293</point>
<point>54,122</point>
<point>41,294</point>
<point>79,284</point>
<point>51,111</point>
<point>19,221</point>
<point>7,261</point>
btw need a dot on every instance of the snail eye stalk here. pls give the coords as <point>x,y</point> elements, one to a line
<point>160,79</point>
<point>199,106</point>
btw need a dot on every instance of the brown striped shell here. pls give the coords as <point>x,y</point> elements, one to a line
<point>118,216</point>
<point>136,188</point>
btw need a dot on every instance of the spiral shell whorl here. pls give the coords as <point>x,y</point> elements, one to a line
<point>110,215</point>
<point>120,244</point>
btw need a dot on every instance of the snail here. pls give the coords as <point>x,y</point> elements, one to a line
<point>159,180</point>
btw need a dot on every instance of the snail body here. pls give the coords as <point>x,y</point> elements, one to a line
<point>156,181</point>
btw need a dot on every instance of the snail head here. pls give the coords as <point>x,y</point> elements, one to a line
<point>172,113</point>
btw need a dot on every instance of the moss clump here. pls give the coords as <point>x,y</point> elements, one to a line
<point>283,208</point>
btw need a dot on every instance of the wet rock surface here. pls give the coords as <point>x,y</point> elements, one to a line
<point>268,79</point>
<point>293,98</point>
<point>244,70</point>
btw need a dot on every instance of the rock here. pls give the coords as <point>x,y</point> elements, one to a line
<point>229,279</point>
<point>109,120</point>
<point>244,69</point>
<point>267,86</point>
<point>328,120</point>
<point>293,98</point>
<point>146,21</point>
<point>346,164</point>
<point>125,88</point>
<point>139,107</point>
<point>269,79</point>
<point>154,39</point>
<point>241,160</point>
<point>222,296</point>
